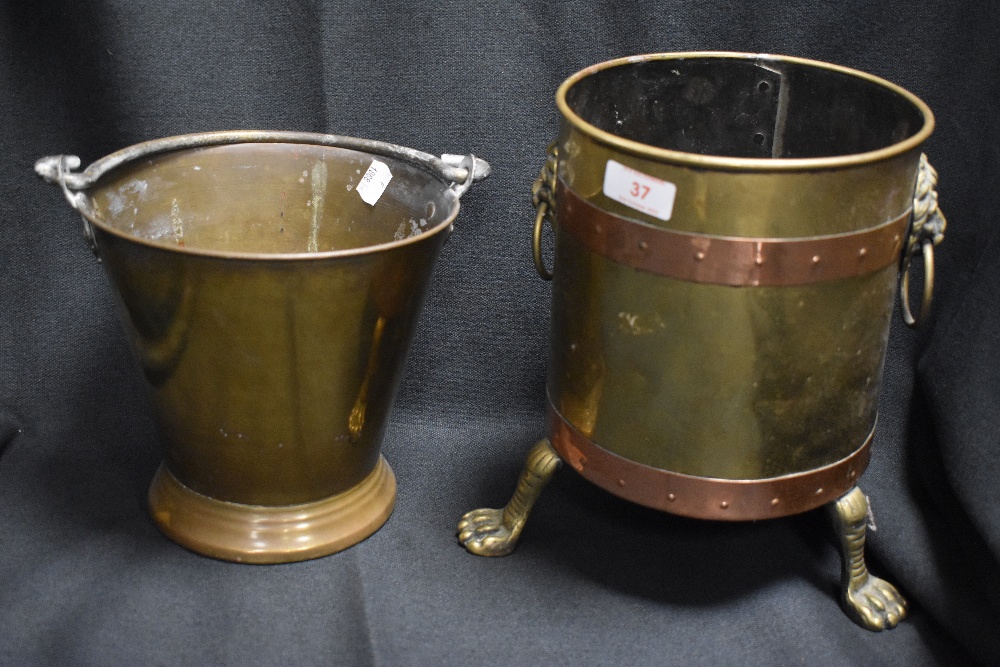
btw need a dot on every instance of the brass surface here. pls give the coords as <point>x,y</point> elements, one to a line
<point>722,359</point>
<point>271,309</point>
<point>495,532</point>
<point>871,602</point>
<point>705,497</point>
<point>257,363</point>
<point>271,534</point>
<point>715,381</point>
<point>748,382</point>
<point>767,64</point>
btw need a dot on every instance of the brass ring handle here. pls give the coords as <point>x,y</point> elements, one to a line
<point>543,196</point>
<point>904,288</point>
<point>926,231</point>
<point>536,242</point>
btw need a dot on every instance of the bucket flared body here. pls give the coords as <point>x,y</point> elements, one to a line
<point>719,354</point>
<point>270,284</point>
<point>271,380</point>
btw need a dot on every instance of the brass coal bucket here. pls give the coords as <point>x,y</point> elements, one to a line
<point>270,283</point>
<point>729,233</point>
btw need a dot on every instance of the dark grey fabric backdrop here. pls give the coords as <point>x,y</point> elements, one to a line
<point>86,579</point>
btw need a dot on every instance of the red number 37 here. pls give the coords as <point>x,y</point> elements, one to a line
<point>638,190</point>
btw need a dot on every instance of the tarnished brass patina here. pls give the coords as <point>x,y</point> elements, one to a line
<point>492,532</point>
<point>270,307</point>
<point>720,356</point>
<point>871,602</point>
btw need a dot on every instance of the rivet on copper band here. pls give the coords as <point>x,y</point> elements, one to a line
<point>703,497</point>
<point>728,260</point>
<point>621,482</point>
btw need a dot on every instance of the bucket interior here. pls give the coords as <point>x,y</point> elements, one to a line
<point>742,107</point>
<point>268,198</point>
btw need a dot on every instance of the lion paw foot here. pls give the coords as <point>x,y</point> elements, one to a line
<point>875,605</point>
<point>483,533</point>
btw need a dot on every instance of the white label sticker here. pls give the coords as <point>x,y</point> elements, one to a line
<point>637,190</point>
<point>374,182</point>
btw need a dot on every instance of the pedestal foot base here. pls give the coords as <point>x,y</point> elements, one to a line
<point>266,534</point>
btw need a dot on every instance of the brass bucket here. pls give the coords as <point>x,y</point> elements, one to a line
<point>270,284</point>
<point>729,232</point>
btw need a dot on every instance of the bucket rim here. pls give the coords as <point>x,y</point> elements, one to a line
<point>726,163</point>
<point>435,167</point>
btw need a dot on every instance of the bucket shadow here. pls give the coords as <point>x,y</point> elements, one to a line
<point>964,565</point>
<point>92,472</point>
<point>579,531</point>
<point>10,428</point>
<point>588,533</point>
<point>106,496</point>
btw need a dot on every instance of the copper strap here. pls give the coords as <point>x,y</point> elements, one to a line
<point>706,497</point>
<point>729,260</point>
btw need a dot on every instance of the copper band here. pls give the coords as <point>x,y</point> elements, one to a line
<point>706,497</point>
<point>729,260</point>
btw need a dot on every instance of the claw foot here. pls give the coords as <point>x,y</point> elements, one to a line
<point>871,602</point>
<point>875,604</point>
<point>482,532</point>
<point>492,532</point>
